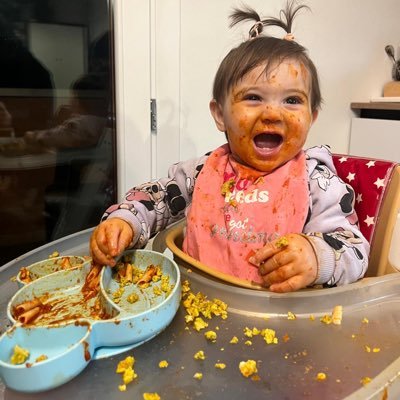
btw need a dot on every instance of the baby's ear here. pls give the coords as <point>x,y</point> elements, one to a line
<point>216,112</point>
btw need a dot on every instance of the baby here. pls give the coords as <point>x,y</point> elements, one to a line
<point>259,208</point>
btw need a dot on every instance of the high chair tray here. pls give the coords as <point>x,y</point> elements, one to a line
<point>366,345</point>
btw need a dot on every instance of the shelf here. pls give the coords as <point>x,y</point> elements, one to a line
<point>377,110</point>
<point>381,105</point>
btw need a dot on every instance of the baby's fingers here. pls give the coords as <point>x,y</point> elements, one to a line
<point>290,285</point>
<point>267,251</point>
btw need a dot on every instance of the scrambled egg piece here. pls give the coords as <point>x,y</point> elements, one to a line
<point>220,365</point>
<point>163,364</point>
<point>125,367</point>
<point>198,306</point>
<point>234,340</point>
<point>291,316</point>
<point>269,336</point>
<point>19,355</point>
<point>151,396</point>
<point>321,376</point>
<point>366,380</point>
<point>282,242</point>
<point>248,368</point>
<point>199,324</point>
<point>198,375</point>
<point>199,355</point>
<point>42,357</point>
<point>227,187</point>
<point>124,364</point>
<point>211,336</point>
<point>132,298</point>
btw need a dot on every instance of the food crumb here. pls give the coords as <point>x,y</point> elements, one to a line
<point>19,355</point>
<point>42,357</point>
<point>365,320</point>
<point>199,355</point>
<point>234,340</point>
<point>366,380</point>
<point>321,376</point>
<point>122,388</point>
<point>200,324</point>
<point>198,376</point>
<point>220,365</point>
<point>211,336</point>
<point>125,367</point>
<point>248,342</point>
<point>248,368</point>
<point>337,315</point>
<point>151,396</point>
<point>291,316</point>
<point>269,336</point>
<point>163,364</point>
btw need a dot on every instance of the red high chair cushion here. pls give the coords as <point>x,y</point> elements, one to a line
<point>369,179</point>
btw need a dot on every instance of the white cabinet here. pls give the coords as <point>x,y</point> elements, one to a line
<point>372,135</point>
<point>375,138</point>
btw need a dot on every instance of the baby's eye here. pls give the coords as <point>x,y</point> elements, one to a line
<point>294,100</point>
<point>252,97</point>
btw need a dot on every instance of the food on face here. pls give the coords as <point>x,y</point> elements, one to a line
<point>19,356</point>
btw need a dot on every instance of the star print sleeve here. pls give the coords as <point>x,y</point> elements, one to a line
<point>332,227</point>
<point>152,206</point>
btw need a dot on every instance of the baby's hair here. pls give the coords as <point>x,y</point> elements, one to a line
<point>263,50</point>
<point>285,21</point>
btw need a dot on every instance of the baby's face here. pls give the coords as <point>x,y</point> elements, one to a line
<point>267,118</point>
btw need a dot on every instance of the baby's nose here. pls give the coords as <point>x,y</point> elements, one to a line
<point>271,113</point>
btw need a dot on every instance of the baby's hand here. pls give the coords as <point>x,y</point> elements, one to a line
<point>286,265</point>
<point>110,238</point>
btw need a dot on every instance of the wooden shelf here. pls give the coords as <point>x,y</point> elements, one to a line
<point>375,106</point>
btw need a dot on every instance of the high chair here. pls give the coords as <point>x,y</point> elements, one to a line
<point>377,203</point>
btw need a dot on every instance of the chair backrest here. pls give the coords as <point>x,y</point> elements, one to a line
<point>377,202</point>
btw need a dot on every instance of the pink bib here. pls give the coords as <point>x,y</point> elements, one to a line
<point>236,210</point>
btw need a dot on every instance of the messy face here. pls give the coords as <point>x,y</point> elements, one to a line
<point>267,117</point>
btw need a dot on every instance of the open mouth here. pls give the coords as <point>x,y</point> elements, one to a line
<point>268,140</point>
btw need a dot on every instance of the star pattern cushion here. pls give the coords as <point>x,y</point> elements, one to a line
<point>369,179</point>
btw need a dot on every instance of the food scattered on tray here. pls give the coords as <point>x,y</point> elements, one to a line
<point>125,367</point>
<point>197,305</point>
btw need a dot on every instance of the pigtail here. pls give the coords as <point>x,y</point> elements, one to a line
<point>285,20</point>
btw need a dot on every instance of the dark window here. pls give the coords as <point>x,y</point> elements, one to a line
<point>57,131</point>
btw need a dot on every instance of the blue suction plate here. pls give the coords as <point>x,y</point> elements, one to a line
<point>71,330</point>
